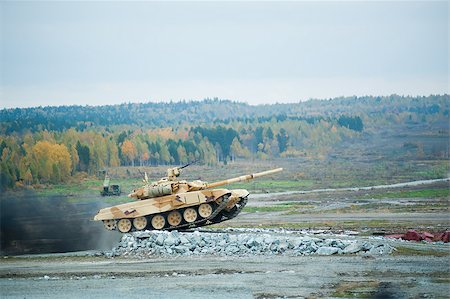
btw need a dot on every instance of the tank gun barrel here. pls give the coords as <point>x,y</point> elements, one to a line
<point>243,178</point>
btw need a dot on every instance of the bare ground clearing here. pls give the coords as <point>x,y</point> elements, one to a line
<point>222,277</point>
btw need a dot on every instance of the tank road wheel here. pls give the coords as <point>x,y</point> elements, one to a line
<point>205,210</point>
<point>140,223</point>
<point>190,215</point>
<point>158,222</point>
<point>110,224</point>
<point>174,218</point>
<point>124,225</point>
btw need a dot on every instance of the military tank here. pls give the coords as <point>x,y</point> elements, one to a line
<point>169,204</point>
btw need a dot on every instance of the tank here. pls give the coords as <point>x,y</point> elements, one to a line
<point>169,204</point>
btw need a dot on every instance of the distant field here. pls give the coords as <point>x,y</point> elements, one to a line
<point>298,174</point>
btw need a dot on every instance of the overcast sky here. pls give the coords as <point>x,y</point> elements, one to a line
<point>257,52</point>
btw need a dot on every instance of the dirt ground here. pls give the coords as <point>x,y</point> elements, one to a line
<point>395,276</point>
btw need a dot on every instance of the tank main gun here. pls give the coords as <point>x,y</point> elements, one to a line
<point>242,178</point>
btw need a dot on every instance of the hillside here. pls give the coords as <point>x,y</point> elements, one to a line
<point>52,144</point>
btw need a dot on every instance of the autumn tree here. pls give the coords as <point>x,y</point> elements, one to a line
<point>129,151</point>
<point>53,161</point>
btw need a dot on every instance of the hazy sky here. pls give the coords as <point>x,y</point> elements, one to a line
<point>258,52</point>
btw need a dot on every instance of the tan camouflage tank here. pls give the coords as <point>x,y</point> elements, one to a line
<point>170,204</point>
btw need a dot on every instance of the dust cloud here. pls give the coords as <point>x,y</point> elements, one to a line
<point>31,224</point>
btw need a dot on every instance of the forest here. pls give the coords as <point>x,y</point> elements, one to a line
<point>48,145</point>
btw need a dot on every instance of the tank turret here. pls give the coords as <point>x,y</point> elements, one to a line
<point>170,203</point>
<point>166,185</point>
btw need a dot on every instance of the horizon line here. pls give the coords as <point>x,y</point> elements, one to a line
<point>171,101</point>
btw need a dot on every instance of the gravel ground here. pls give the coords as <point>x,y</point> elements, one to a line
<point>225,277</point>
<point>348,267</point>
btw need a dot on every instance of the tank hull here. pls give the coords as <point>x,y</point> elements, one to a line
<point>196,208</point>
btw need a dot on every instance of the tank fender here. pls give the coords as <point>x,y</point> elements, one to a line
<point>211,195</point>
<point>239,193</point>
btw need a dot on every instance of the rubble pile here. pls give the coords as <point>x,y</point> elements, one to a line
<point>413,235</point>
<point>163,243</point>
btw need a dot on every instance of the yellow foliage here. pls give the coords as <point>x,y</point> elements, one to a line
<point>53,161</point>
<point>164,133</point>
<point>129,150</point>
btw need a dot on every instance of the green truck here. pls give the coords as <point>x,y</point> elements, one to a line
<point>110,190</point>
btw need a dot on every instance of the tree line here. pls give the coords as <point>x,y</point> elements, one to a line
<point>210,111</point>
<point>52,152</point>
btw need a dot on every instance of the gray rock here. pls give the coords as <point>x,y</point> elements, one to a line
<point>160,240</point>
<point>184,240</point>
<point>232,249</point>
<point>274,247</point>
<point>327,250</point>
<point>353,248</point>
<point>331,243</point>
<point>283,247</point>
<point>196,239</point>
<point>311,239</point>
<point>276,242</point>
<point>340,244</point>
<point>298,242</point>
<point>382,249</point>
<point>171,240</point>
<point>366,246</point>
<point>242,239</point>
<point>268,240</point>
<point>180,249</point>
<point>175,233</point>
<point>222,243</point>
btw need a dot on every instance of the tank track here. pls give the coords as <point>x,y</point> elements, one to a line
<point>224,217</point>
<point>204,221</point>
<point>242,203</point>
<point>234,213</point>
<point>214,219</point>
<point>217,216</point>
